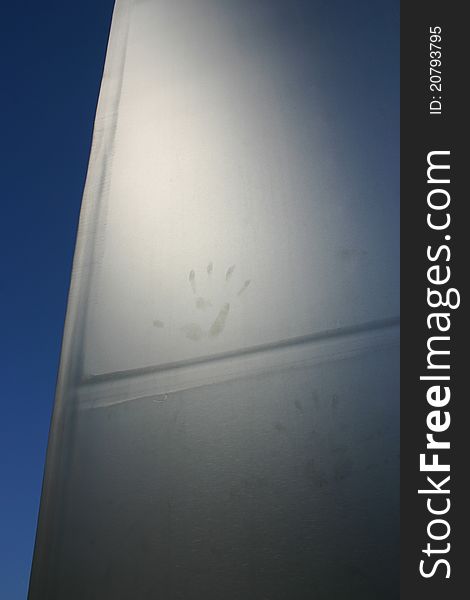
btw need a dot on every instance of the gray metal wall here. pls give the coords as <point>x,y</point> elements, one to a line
<point>226,420</point>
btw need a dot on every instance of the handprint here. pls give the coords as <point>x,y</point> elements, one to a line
<point>218,307</point>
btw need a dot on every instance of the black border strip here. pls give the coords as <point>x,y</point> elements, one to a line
<point>422,133</point>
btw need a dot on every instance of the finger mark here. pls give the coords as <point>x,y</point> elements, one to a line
<point>219,324</point>
<point>244,286</point>
<point>192,280</point>
<point>229,273</point>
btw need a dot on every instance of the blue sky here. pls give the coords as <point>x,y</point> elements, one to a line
<point>52,57</point>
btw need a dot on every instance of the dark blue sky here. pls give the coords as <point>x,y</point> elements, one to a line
<point>52,56</point>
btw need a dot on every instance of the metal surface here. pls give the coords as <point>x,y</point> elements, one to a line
<point>226,420</point>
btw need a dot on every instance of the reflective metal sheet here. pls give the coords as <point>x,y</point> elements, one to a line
<point>226,421</point>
